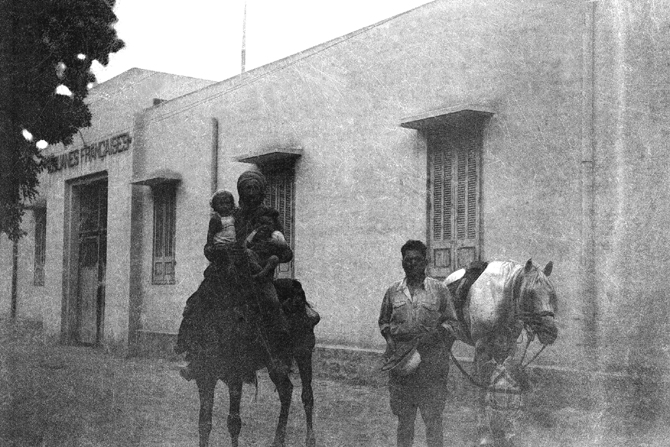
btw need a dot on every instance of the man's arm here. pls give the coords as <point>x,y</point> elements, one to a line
<point>449,321</point>
<point>385,322</point>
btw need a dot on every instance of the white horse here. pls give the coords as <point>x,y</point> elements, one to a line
<point>504,300</point>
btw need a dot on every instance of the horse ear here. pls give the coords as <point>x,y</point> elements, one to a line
<point>529,266</point>
<point>548,268</point>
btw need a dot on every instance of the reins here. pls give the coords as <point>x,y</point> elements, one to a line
<point>486,387</point>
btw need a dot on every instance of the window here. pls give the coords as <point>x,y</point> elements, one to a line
<point>454,191</point>
<point>40,215</point>
<point>280,196</point>
<point>164,234</point>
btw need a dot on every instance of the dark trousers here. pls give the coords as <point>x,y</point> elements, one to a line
<point>429,400</point>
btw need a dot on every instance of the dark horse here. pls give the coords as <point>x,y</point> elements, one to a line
<point>243,349</point>
<point>506,299</point>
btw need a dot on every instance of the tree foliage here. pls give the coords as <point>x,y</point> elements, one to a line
<point>45,44</point>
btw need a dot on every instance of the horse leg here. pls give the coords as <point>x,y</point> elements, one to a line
<point>482,355</point>
<point>234,419</point>
<point>285,391</point>
<point>206,387</point>
<point>304,361</point>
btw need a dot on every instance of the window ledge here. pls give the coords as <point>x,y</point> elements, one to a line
<point>270,155</point>
<point>160,177</point>
<point>459,116</point>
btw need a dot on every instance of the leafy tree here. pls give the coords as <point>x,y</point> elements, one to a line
<point>44,44</point>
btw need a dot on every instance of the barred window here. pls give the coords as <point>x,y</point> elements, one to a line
<point>40,215</point>
<point>280,196</point>
<point>164,235</point>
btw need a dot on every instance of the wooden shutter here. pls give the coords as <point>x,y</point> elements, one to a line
<point>281,186</point>
<point>453,169</point>
<point>164,235</point>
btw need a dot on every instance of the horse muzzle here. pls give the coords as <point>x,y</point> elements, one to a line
<point>546,329</point>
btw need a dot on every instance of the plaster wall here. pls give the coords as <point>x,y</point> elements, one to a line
<point>361,181</point>
<point>633,192</point>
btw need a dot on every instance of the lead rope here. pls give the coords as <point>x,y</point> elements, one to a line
<point>485,387</point>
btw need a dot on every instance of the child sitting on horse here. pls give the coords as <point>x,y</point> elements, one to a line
<point>234,262</point>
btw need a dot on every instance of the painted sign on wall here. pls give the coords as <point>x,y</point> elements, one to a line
<point>110,146</point>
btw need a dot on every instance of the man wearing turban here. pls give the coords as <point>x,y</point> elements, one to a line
<point>252,188</point>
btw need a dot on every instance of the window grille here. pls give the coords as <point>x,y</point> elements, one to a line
<point>280,196</point>
<point>164,235</point>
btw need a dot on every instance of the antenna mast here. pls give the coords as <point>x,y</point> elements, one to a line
<point>244,36</point>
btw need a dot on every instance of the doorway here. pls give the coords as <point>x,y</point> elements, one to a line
<point>88,234</point>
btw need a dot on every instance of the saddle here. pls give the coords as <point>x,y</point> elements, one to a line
<point>459,289</point>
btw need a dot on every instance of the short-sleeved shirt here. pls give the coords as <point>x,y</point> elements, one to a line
<point>407,316</point>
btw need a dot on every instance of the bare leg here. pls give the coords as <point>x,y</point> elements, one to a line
<point>304,361</point>
<point>234,419</point>
<point>285,391</point>
<point>206,385</point>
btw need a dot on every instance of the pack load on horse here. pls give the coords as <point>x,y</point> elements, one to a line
<point>496,302</point>
<point>240,320</point>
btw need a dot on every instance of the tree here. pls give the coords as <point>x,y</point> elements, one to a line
<point>45,44</point>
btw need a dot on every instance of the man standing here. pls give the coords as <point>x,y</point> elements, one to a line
<point>418,312</point>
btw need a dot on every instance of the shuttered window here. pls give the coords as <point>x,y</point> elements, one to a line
<point>164,235</point>
<point>40,245</point>
<point>453,169</point>
<point>281,187</point>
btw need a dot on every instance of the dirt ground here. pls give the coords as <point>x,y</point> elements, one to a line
<point>52,395</point>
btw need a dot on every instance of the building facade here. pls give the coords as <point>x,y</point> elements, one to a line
<point>491,130</point>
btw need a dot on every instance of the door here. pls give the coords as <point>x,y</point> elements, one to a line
<point>454,191</point>
<point>92,251</point>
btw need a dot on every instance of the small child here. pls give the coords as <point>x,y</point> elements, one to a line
<point>259,241</point>
<point>221,233</point>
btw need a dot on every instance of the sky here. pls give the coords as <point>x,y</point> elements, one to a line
<point>203,38</point>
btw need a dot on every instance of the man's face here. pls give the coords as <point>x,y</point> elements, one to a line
<point>414,263</point>
<point>251,193</point>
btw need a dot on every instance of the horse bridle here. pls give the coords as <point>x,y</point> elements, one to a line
<point>529,320</point>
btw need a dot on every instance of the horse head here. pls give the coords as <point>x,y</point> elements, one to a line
<point>538,302</point>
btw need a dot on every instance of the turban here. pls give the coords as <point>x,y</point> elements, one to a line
<point>252,176</point>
